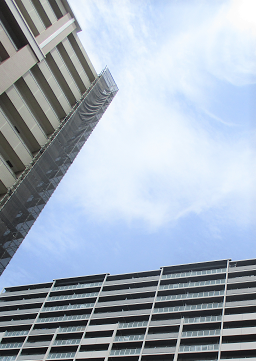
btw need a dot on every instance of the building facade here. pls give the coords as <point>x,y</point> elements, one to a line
<point>201,311</point>
<point>51,98</point>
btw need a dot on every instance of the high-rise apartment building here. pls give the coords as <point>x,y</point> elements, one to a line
<point>51,98</point>
<point>201,311</point>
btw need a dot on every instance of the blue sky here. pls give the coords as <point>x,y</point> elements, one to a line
<point>169,174</point>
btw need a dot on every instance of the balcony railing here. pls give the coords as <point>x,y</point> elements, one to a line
<point>11,345</point>
<point>192,284</point>
<point>127,351</point>
<point>129,338</point>
<point>7,358</point>
<point>16,333</point>
<point>133,324</point>
<point>67,342</point>
<point>61,355</point>
<point>188,307</point>
<point>200,333</point>
<point>79,285</point>
<point>193,348</point>
<point>68,307</point>
<point>194,273</point>
<point>203,319</point>
<point>63,318</point>
<point>71,329</point>
<point>191,295</point>
<point>75,295</point>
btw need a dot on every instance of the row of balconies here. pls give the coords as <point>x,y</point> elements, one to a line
<point>117,312</point>
<point>119,292</point>
<point>131,280</point>
<point>193,349</point>
<point>228,319</point>
<point>197,334</point>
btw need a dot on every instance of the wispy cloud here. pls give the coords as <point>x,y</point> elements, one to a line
<point>155,156</point>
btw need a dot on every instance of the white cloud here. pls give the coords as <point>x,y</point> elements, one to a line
<point>152,158</point>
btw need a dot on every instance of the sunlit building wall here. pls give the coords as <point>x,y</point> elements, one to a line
<point>201,311</point>
<point>51,98</point>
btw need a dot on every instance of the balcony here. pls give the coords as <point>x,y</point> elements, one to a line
<point>30,357</point>
<point>126,351</point>
<point>159,350</point>
<point>238,346</point>
<point>11,345</point>
<point>91,355</point>
<point>128,291</point>
<point>132,280</point>
<point>24,292</point>
<point>17,322</point>
<point>21,302</point>
<point>162,336</point>
<point>199,348</point>
<point>241,291</point>
<point>77,286</point>
<point>242,279</point>
<point>194,273</point>
<point>241,303</point>
<point>192,284</point>
<point>242,268</point>
<point>20,312</point>
<point>129,338</point>
<point>120,314</point>
<point>37,344</point>
<point>63,355</point>
<point>202,306</point>
<point>63,318</point>
<point>132,301</point>
<point>190,295</point>
<point>39,331</point>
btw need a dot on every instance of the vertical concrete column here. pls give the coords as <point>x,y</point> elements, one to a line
<point>13,138</point>
<point>26,115</point>
<point>8,178</point>
<point>41,99</point>
<point>151,314</point>
<point>223,311</point>
<point>52,82</point>
<point>88,323</point>
<point>33,14</point>
<point>48,10</point>
<point>6,42</point>
<point>35,320</point>
<point>66,74</point>
<point>178,340</point>
<point>76,62</point>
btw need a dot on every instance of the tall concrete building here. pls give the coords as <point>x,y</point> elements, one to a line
<point>201,311</point>
<point>51,98</point>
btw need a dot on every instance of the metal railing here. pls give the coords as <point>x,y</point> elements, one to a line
<point>67,342</point>
<point>199,348</point>
<point>133,324</point>
<point>127,351</point>
<point>75,295</point>
<point>62,318</point>
<point>68,307</point>
<point>201,333</point>
<point>190,295</point>
<point>194,273</point>
<point>62,355</point>
<point>192,284</point>
<point>79,285</point>
<point>188,307</point>
<point>129,338</point>
<point>16,333</point>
